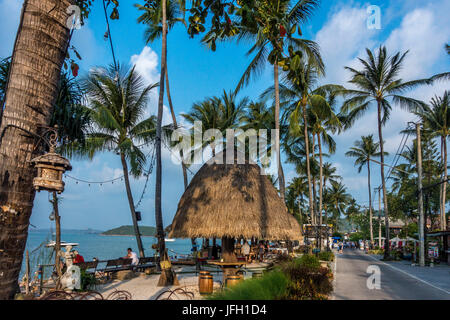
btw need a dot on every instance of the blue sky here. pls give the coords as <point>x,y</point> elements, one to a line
<point>340,29</point>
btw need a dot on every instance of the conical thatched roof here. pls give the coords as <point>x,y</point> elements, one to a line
<point>233,200</point>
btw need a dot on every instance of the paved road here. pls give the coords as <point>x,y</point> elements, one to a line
<point>351,281</point>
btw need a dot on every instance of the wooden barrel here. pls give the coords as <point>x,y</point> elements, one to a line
<point>257,274</point>
<point>205,284</point>
<point>202,273</point>
<point>233,280</point>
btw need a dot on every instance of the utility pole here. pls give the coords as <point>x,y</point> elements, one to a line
<point>420,201</point>
<point>379,217</point>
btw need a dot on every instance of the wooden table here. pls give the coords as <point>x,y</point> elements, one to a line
<point>228,268</point>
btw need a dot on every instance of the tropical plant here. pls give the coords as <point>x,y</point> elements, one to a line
<point>218,114</point>
<point>303,99</point>
<point>152,18</point>
<point>436,119</point>
<point>4,70</point>
<point>271,25</point>
<point>338,199</point>
<point>28,105</point>
<point>364,151</point>
<point>118,102</point>
<point>378,83</point>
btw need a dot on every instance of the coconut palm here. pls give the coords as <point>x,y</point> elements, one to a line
<point>118,102</point>
<point>257,116</point>
<point>329,174</point>
<point>265,23</point>
<point>324,120</point>
<point>300,95</point>
<point>28,104</point>
<point>152,18</point>
<point>4,70</point>
<point>297,189</point>
<point>219,113</point>
<point>338,199</point>
<point>436,118</point>
<point>377,83</point>
<point>364,151</point>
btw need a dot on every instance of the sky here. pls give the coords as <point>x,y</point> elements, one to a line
<point>340,29</point>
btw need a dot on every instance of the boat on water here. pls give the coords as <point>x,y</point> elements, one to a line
<point>52,243</point>
<point>169,240</point>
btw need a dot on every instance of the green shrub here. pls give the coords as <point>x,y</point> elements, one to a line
<point>272,286</point>
<point>326,256</point>
<point>308,282</point>
<point>308,261</point>
<point>88,280</point>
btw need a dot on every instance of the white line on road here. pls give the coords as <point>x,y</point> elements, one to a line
<point>408,274</point>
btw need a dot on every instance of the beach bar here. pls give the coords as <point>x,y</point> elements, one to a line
<point>232,201</point>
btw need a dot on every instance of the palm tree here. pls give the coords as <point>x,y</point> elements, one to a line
<point>338,198</point>
<point>436,118</point>
<point>265,24</point>
<point>324,121</point>
<point>118,101</point>
<point>378,83</point>
<point>152,18</point>
<point>329,174</point>
<point>300,92</point>
<point>4,70</point>
<point>219,113</point>
<point>364,151</point>
<point>297,188</point>
<point>28,104</point>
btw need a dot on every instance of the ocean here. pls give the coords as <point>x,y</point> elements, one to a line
<point>94,245</point>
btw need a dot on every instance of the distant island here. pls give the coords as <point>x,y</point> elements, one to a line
<point>146,231</point>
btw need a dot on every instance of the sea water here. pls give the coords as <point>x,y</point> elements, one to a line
<point>94,245</point>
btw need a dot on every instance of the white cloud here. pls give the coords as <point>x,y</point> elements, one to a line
<point>343,38</point>
<point>424,36</point>
<point>147,65</point>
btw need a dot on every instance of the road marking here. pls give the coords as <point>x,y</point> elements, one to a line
<point>408,274</point>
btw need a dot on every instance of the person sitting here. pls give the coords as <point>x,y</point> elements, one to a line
<point>133,256</point>
<point>78,258</point>
<point>246,250</point>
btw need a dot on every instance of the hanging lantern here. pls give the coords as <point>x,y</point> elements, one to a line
<point>50,169</point>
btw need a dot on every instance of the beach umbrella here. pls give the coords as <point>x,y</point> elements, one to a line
<point>230,201</point>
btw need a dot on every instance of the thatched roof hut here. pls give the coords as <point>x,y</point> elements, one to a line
<point>233,200</point>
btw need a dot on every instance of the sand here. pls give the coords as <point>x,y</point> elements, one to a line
<point>144,287</point>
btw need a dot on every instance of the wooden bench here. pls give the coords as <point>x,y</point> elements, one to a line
<point>147,262</point>
<point>89,266</point>
<point>117,265</point>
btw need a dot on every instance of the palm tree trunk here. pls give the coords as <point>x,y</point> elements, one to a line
<point>308,170</point>
<point>383,183</point>
<point>36,64</point>
<point>320,177</point>
<point>158,210</point>
<point>370,203</point>
<point>277,129</point>
<point>175,125</point>
<point>131,204</point>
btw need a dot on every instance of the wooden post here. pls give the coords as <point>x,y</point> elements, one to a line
<point>420,200</point>
<point>27,273</point>
<point>57,239</point>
